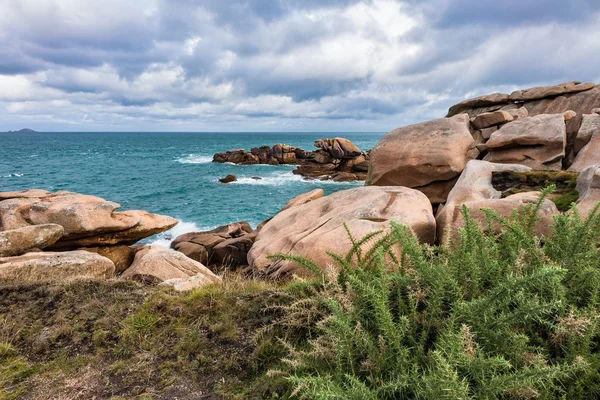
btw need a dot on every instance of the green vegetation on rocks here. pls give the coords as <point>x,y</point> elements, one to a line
<point>512,182</point>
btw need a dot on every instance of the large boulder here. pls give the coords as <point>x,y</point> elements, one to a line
<point>18,241</point>
<point>87,220</point>
<point>540,100</point>
<point>590,124</point>
<point>226,245</point>
<point>478,102</point>
<point>504,208</point>
<point>589,154</point>
<point>56,267</point>
<point>304,198</point>
<point>121,256</point>
<point>542,92</point>
<point>429,153</point>
<point>588,186</point>
<point>339,148</point>
<point>493,118</point>
<point>475,190</point>
<point>475,183</point>
<point>311,229</point>
<point>80,215</point>
<point>538,142</point>
<point>148,225</point>
<point>155,264</point>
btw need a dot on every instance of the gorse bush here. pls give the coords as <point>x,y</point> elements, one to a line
<point>495,316</point>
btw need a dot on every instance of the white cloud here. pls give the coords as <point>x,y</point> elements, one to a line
<point>358,65</point>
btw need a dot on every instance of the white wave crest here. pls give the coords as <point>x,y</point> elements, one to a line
<point>15,175</point>
<point>194,159</point>
<point>286,177</point>
<point>165,238</point>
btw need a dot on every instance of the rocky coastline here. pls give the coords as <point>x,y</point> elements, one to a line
<point>337,159</point>
<point>493,152</point>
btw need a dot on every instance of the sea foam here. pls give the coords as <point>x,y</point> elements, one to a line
<point>286,177</point>
<point>165,238</point>
<point>194,159</point>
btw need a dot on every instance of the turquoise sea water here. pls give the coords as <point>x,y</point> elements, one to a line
<point>165,173</point>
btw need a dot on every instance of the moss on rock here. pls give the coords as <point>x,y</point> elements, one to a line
<point>511,182</point>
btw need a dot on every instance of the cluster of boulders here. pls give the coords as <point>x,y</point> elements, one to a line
<point>60,236</point>
<point>494,152</point>
<point>224,247</point>
<point>276,155</point>
<point>337,159</point>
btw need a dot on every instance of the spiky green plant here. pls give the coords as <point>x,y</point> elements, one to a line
<point>508,316</point>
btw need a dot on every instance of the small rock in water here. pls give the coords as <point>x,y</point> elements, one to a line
<point>228,178</point>
<point>256,178</point>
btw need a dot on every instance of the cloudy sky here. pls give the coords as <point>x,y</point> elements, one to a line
<point>278,65</point>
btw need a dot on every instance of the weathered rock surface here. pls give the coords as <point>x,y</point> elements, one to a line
<point>590,124</point>
<point>474,185</point>
<point>538,142</point>
<point>310,229</point>
<point>542,92</point>
<point>121,256</point>
<point>581,98</point>
<point>589,155</point>
<point>25,194</point>
<point>226,245</point>
<point>86,220</point>
<point>15,242</point>
<point>148,225</point>
<point>504,208</point>
<point>431,152</point>
<point>338,159</point>
<point>278,154</point>
<point>340,148</point>
<point>304,198</point>
<point>489,119</point>
<point>588,186</point>
<point>56,267</point>
<point>155,264</point>
<point>478,102</point>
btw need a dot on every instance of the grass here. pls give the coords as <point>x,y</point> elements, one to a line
<point>123,340</point>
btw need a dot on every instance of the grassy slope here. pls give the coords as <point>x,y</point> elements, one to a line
<point>121,340</point>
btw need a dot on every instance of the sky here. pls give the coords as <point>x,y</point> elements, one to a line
<point>278,65</point>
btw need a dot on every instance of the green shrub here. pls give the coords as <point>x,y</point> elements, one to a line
<point>507,316</point>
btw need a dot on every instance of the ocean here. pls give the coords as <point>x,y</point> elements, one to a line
<point>164,173</point>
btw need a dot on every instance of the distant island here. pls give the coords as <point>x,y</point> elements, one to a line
<point>24,130</point>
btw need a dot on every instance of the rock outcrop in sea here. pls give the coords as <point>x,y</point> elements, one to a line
<point>338,159</point>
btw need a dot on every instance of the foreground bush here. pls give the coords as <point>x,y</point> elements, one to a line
<point>495,317</point>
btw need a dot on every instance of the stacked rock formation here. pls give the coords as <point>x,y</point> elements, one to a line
<point>493,152</point>
<point>338,159</point>
<point>86,236</point>
<point>225,246</point>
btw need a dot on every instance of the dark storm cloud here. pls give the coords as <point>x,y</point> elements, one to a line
<point>275,60</point>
